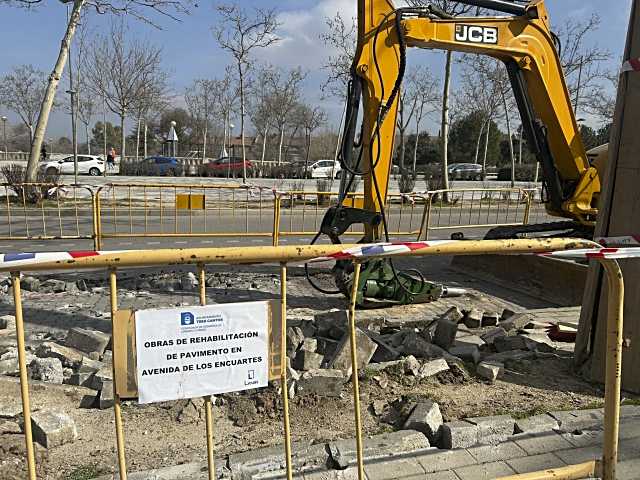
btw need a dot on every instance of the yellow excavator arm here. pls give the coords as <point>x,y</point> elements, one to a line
<point>524,43</point>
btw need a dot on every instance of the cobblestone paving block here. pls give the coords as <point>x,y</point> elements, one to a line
<point>491,453</point>
<point>585,438</point>
<point>535,463</point>
<point>537,443</point>
<point>438,460</point>
<point>579,455</point>
<point>448,475</point>
<point>486,471</point>
<point>394,469</point>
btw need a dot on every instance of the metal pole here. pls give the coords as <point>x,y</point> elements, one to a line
<point>354,369</point>
<point>283,370</point>
<point>613,367</point>
<point>122,463</point>
<point>24,385</point>
<point>207,399</point>
<point>104,132</point>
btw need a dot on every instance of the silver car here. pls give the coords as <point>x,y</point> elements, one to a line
<point>465,171</point>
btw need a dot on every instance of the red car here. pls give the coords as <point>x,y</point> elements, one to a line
<point>227,167</point>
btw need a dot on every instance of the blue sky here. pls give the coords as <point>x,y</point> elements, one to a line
<point>191,52</point>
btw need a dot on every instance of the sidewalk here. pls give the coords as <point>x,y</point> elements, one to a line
<point>522,454</point>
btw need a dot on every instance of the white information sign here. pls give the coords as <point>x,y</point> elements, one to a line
<point>195,351</point>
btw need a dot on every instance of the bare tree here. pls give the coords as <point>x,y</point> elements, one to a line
<point>423,87</point>
<point>582,64</point>
<point>454,9</point>
<point>311,119</point>
<point>21,91</point>
<point>200,98</point>
<point>135,8</point>
<point>284,99</point>
<point>127,74</point>
<point>226,96</point>
<point>340,37</point>
<point>260,106</point>
<point>240,34</point>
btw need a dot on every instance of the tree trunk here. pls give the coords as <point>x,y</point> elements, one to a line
<point>513,157</point>
<point>308,145</point>
<point>204,141</point>
<point>244,152</point>
<point>86,132</point>
<point>145,139</point>
<point>138,141</point>
<point>479,139</point>
<point>520,146</point>
<point>486,148</point>
<point>49,96</point>
<point>445,124</point>
<point>264,148</point>
<point>415,147</point>
<point>123,138</point>
<point>280,145</point>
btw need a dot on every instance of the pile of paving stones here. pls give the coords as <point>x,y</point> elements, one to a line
<point>320,355</point>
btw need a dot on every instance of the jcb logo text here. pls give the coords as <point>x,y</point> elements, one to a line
<point>476,34</point>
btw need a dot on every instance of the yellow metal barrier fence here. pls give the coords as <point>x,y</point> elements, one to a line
<point>47,211</point>
<point>475,208</point>
<point>290,254</point>
<point>137,210</point>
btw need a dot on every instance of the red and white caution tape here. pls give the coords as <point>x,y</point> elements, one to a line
<point>631,65</point>
<point>621,241</point>
<point>380,249</point>
<point>607,252</point>
<point>25,258</point>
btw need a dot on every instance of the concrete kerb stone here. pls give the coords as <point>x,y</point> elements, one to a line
<point>343,452</point>
<point>573,420</point>
<point>52,429</point>
<point>537,424</point>
<point>439,460</point>
<point>458,434</point>
<point>493,429</point>
<point>365,350</point>
<point>426,418</point>
<point>87,340</point>
<point>271,459</point>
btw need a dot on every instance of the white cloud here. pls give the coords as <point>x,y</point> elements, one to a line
<point>300,33</point>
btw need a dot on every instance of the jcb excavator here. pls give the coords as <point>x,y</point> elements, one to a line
<point>524,42</point>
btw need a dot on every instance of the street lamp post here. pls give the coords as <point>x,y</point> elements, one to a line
<point>4,134</point>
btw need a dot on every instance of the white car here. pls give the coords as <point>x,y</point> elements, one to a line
<point>323,169</point>
<point>87,165</point>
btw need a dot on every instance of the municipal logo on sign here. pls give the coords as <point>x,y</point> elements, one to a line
<point>187,318</point>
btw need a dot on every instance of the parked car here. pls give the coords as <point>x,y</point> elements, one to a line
<point>465,171</point>
<point>227,167</point>
<point>323,169</point>
<point>87,165</point>
<point>160,166</point>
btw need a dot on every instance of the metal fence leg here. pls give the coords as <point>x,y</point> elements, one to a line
<point>122,463</point>
<point>354,369</point>
<point>283,370</point>
<point>276,220</point>
<point>24,382</point>
<point>613,376</point>
<point>207,400</point>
